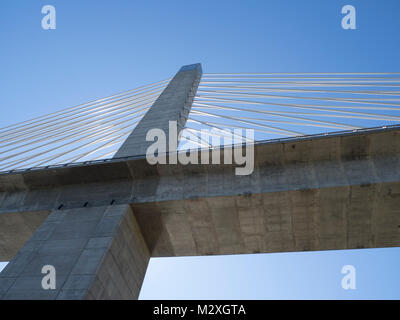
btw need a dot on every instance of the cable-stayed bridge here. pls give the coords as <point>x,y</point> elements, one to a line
<point>77,193</point>
<point>273,105</point>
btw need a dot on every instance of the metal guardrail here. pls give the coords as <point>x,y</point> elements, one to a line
<point>278,140</point>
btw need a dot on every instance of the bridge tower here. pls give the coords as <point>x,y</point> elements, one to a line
<point>98,252</point>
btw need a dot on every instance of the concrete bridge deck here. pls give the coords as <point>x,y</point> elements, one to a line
<point>334,192</point>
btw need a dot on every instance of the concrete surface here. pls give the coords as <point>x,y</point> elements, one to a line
<point>98,253</point>
<point>343,190</point>
<point>172,105</point>
<point>334,218</point>
<point>16,229</point>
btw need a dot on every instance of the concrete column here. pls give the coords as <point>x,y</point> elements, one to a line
<point>169,106</point>
<point>97,253</point>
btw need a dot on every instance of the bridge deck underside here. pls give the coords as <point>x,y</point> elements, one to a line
<point>364,216</point>
<point>337,192</point>
<point>16,228</point>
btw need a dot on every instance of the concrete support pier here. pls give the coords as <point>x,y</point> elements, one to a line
<point>98,252</point>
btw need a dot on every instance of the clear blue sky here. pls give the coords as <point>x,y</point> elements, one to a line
<point>103,47</point>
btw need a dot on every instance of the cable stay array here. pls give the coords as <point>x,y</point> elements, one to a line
<point>91,131</point>
<point>228,108</point>
<point>282,105</point>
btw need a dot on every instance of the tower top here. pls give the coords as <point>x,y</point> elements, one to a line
<point>192,67</point>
